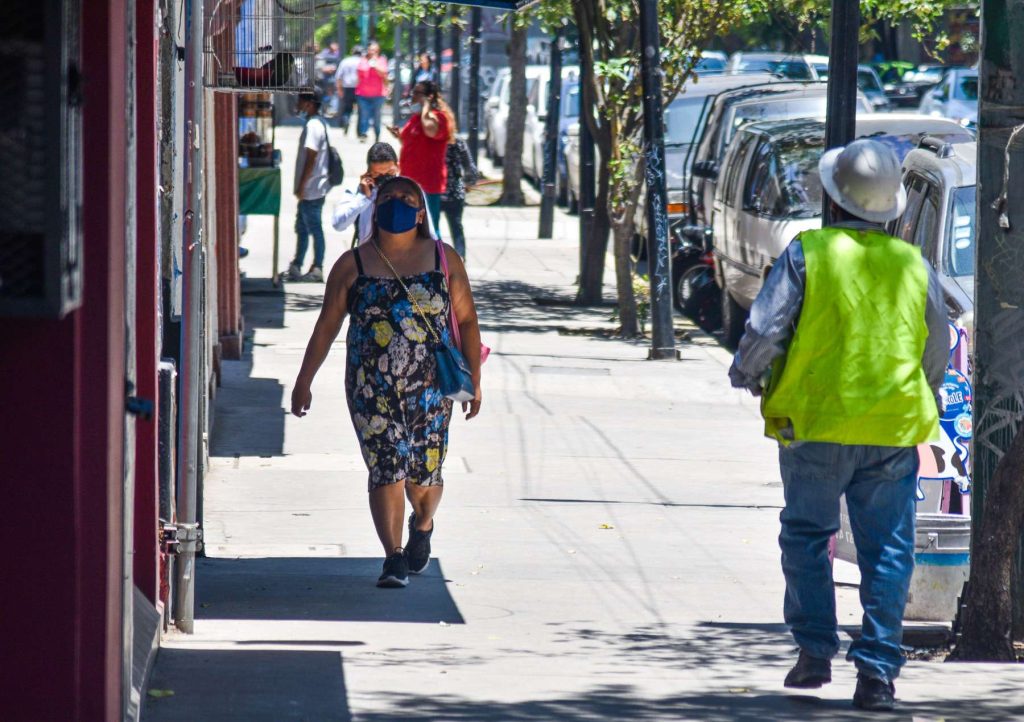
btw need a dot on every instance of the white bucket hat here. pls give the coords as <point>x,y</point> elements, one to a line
<point>864,179</point>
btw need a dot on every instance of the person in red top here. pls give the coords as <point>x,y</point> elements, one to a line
<point>371,90</point>
<point>425,138</point>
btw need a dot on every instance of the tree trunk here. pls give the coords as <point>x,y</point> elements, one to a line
<point>622,229</point>
<point>592,269</point>
<point>988,608</point>
<point>512,182</point>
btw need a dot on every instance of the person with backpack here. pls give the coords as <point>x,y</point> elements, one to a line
<point>317,169</point>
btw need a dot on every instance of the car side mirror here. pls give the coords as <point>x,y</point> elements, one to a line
<point>705,169</point>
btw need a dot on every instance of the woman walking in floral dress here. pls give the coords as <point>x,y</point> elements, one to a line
<point>400,302</point>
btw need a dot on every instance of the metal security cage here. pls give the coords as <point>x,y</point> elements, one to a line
<point>41,158</point>
<point>259,45</point>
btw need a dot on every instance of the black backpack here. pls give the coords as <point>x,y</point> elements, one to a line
<point>335,168</point>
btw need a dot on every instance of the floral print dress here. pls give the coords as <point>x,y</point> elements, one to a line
<point>399,414</point>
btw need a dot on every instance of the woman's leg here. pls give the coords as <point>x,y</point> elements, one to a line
<point>424,501</point>
<point>434,208</point>
<point>387,506</point>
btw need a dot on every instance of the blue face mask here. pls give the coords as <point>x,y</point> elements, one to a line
<point>396,216</point>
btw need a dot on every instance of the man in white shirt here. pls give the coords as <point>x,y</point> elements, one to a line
<point>311,186</point>
<point>346,80</point>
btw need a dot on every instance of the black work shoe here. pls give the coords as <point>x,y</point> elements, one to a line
<point>809,672</point>
<point>417,551</point>
<point>874,695</point>
<point>396,572</point>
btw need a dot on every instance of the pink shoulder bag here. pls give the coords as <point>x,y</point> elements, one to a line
<point>485,350</point>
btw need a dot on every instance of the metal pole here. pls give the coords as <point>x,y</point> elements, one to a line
<point>438,46</point>
<point>841,113</point>
<point>364,23</point>
<point>547,201</point>
<point>475,22</point>
<point>999,294</point>
<point>663,341</point>
<point>454,75</point>
<point>587,171</point>
<point>396,89</point>
<point>188,531</point>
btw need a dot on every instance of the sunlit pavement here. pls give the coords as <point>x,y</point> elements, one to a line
<point>606,548</point>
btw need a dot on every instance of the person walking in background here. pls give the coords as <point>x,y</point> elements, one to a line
<point>381,163</point>
<point>400,300</point>
<point>853,324</point>
<point>311,186</point>
<point>346,80</point>
<point>425,138</point>
<point>461,170</point>
<point>425,70</point>
<point>373,74</point>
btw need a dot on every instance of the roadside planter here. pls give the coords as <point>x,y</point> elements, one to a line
<point>943,534</point>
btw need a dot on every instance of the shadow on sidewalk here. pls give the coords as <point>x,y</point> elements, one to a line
<point>252,685</point>
<point>249,416</point>
<point>319,588</point>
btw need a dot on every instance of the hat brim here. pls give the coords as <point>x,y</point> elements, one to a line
<point>826,168</point>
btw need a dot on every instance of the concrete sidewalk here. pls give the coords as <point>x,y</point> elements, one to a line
<point>606,548</point>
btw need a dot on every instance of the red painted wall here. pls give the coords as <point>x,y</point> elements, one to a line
<point>229,311</point>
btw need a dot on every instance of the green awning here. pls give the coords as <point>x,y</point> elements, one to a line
<point>259,191</point>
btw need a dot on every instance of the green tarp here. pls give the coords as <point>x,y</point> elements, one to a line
<point>259,191</point>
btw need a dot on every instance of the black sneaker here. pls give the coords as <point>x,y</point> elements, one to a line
<point>809,672</point>
<point>417,551</point>
<point>396,572</point>
<point>874,695</point>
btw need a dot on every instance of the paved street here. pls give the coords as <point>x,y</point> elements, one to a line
<point>606,547</point>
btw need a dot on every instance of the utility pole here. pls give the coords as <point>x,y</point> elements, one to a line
<point>841,112</point>
<point>454,75</point>
<point>475,23</point>
<point>396,86</point>
<point>438,46</point>
<point>999,293</point>
<point>663,341</point>
<point>587,197</point>
<point>547,201</point>
<point>188,532</point>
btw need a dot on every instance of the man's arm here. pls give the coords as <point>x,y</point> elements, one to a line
<point>772,318</point>
<point>348,209</point>
<point>936,349</point>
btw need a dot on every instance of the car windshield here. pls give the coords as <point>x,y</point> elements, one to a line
<point>776,109</point>
<point>966,88</point>
<point>866,80</point>
<point>822,70</point>
<point>903,144</point>
<point>798,177</point>
<point>924,75</point>
<point>796,69</point>
<point>959,251</point>
<point>681,119</point>
<point>709,65</point>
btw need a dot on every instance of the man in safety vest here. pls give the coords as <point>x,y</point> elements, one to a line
<point>852,324</point>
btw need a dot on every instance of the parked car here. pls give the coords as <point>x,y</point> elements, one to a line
<point>496,109</point>
<point>788,65</point>
<point>940,218</point>
<point>491,107</point>
<point>770,191</point>
<point>729,111</point>
<point>570,114</point>
<point>900,92</point>
<point>870,84</point>
<point>712,61</point>
<point>682,120</point>
<point>956,97</point>
<point>536,120</point>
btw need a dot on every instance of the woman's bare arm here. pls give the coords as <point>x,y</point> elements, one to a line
<point>469,326</point>
<point>328,324</point>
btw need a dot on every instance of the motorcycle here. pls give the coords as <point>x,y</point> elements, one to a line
<point>697,296</point>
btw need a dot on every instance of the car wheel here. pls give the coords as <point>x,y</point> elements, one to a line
<point>488,151</point>
<point>561,191</point>
<point>573,202</point>
<point>496,159</point>
<point>734,319</point>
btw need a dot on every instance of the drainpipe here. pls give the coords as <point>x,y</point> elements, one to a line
<point>188,532</point>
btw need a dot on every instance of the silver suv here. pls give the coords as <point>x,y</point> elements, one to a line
<point>940,218</point>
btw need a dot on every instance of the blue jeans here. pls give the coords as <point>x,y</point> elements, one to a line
<point>309,221</point>
<point>434,209</point>
<point>880,484</point>
<point>369,112</point>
